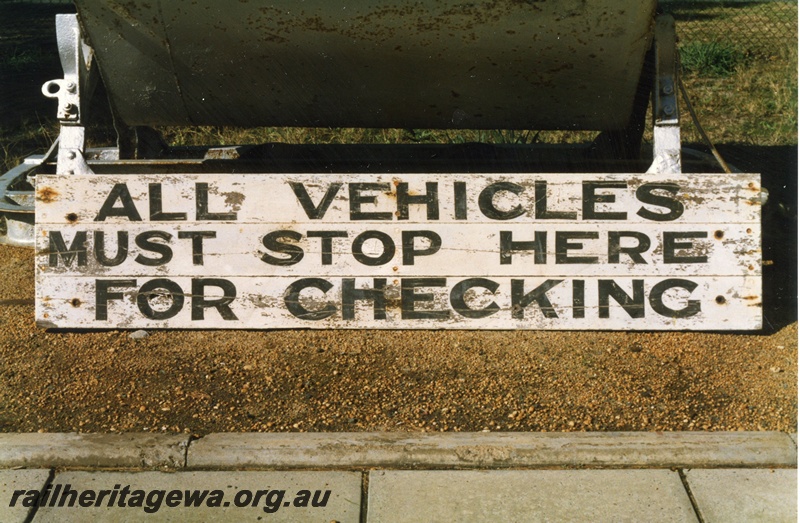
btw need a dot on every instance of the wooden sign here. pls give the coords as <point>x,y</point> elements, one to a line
<point>416,251</point>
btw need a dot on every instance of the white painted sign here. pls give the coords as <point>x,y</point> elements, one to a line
<point>463,251</point>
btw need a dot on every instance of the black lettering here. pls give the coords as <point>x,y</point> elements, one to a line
<point>143,241</point>
<point>157,288</point>
<point>590,199</point>
<point>18,493</point>
<point>430,199</point>
<point>68,497</point>
<point>410,252</point>
<point>657,298</point>
<point>156,206</point>
<point>271,242</point>
<point>578,299</point>
<point>460,197</point>
<point>274,501</point>
<point>381,259</point>
<point>201,196</point>
<point>200,303</point>
<point>409,296</point>
<point>100,249</point>
<point>645,194</point>
<point>350,294</point>
<point>508,247</point>
<point>460,304</point>
<point>486,201</point>
<point>103,296</point>
<point>197,243</point>
<point>86,498</point>
<point>320,498</point>
<point>563,245</point>
<point>671,244</point>
<point>634,306</point>
<point>291,299</point>
<point>315,212</point>
<point>302,498</point>
<point>327,243</point>
<point>357,199</point>
<point>45,494</point>
<point>542,213</point>
<point>174,498</point>
<point>128,210</point>
<point>520,300</point>
<point>31,498</point>
<point>58,247</point>
<point>635,252</point>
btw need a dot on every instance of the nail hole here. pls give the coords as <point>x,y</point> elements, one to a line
<point>75,302</point>
<point>72,217</point>
<point>719,235</point>
<point>749,231</point>
<point>720,300</point>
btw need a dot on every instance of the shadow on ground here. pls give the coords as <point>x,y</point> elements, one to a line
<point>778,168</point>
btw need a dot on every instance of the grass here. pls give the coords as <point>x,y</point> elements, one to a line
<point>710,58</point>
<point>204,135</point>
<point>756,103</point>
<point>739,65</point>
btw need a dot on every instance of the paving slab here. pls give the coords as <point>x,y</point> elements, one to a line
<point>528,495</point>
<point>731,495</point>
<point>11,480</point>
<point>130,450</point>
<point>229,496</point>
<point>493,450</point>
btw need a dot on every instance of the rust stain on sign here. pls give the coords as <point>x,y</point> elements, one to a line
<point>46,194</point>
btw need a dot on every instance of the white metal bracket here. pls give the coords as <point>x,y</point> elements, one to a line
<point>666,118</point>
<point>73,93</point>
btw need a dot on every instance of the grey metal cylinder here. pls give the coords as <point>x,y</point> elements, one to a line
<point>505,64</point>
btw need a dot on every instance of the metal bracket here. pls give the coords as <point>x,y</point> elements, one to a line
<point>666,117</point>
<point>73,93</point>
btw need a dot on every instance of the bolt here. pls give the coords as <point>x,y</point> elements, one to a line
<point>71,87</point>
<point>669,110</point>
<point>667,89</point>
<point>70,108</point>
<point>71,155</point>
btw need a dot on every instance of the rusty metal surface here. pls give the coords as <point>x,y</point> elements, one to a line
<point>567,64</point>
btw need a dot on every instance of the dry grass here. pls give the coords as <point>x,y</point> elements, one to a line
<point>757,104</point>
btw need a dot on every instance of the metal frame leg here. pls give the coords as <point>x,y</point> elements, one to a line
<point>666,118</point>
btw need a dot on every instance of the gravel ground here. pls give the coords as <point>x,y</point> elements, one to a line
<point>201,382</point>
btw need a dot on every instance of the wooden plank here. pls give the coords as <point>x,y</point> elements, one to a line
<point>576,251</point>
<point>397,250</point>
<point>270,198</point>
<point>269,303</point>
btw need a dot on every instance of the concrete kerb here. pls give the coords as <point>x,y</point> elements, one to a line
<point>350,451</point>
<point>70,450</point>
<point>493,450</point>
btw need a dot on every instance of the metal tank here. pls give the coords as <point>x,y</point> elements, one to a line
<point>493,64</point>
<point>499,64</point>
